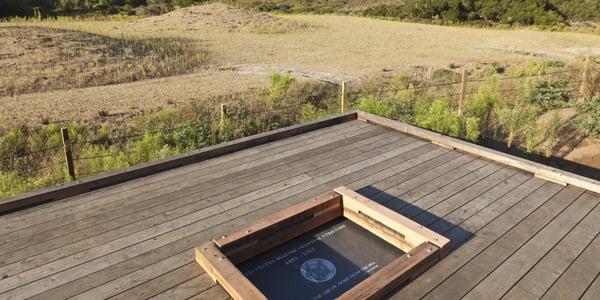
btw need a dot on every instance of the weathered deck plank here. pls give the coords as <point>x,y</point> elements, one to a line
<point>247,204</point>
<point>593,291</point>
<point>160,185</point>
<point>466,277</point>
<point>43,263</point>
<point>573,283</point>
<point>519,262</point>
<point>513,235</point>
<point>148,212</point>
<point>539,278</point>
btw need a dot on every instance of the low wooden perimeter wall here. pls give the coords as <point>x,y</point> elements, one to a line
<point>120,176</point>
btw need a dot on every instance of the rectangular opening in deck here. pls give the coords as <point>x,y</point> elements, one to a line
<point>337,245</point>
<point>320,264</point>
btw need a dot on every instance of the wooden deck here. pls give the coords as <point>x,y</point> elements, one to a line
<point>513,235</point>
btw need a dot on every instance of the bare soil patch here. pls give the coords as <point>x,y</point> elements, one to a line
<point>118,103</point>
<point>37,59</point>
<point>586,153</point>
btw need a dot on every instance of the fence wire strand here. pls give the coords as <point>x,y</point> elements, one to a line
<point>237,111</point>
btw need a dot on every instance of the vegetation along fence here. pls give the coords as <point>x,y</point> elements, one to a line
<point>528,107</point>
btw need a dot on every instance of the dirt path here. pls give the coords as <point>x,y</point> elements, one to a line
<point>86,104</point>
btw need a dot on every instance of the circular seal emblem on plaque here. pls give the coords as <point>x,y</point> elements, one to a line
<point>317,270</point>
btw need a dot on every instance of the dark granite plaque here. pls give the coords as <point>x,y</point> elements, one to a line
<point>321,264</point>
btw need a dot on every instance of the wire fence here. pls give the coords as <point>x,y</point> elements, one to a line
<point>217,123</point>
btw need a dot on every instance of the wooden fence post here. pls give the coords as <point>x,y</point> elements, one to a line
<point>463,91</point>
<point>343,100</point>
<point>68,154</point>
<point>583,88</point>
<point>223,116</point>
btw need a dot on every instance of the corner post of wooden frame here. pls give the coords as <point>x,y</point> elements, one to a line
<point>385,223</point>
<point>222,271</point>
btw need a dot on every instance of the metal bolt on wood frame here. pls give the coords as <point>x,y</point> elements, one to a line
<point>422,247</point>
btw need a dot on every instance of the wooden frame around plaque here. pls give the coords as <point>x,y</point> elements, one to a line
<point>422,247</point>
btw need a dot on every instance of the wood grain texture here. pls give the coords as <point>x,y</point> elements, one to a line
<point>136,239</point>
<point>108,179</point>
<point>543,171</point>
<point>414,233</point>
<point>225,273</point>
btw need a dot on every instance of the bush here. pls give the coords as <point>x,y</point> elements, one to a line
<point>403,108</point>
<point>480,108</point>
<point>278,88</point>
<point>554,126</point>
<point>472,129</point>
<point>374,106</point>
<point>439,117</point>
<point>533,135</point>
<point>589,121</point>
<point>12,184</point>
<point>514,121</point>
<point>550,94</point>
<point>310,112</point>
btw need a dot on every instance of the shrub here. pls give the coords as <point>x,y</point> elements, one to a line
<point>13,143</point>
<point>150,147</point>
<point>514,120</point>
<point>278,88</point>
<point>374,106</point>
<point>472,129</point>
<point>533,135</point>
<point>550,94</point>
<point>310,112</point>
<point>445,76</point>
<point>482,106</point>
<point>403,107</point>
<point>440,118</point>
<point>385,10</point>
<point>589,121</point>
<point>553,126</point>
<point>101,159</point>
<point>12,184</point>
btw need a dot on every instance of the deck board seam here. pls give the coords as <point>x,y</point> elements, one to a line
<point>193,168</point>
<point>490,222</point>
<point>571,264</point>
<point>162,203</point>
<point>167,232</point>
<point>392,142</point>
<point>532,236</point>
<point>554,247</point>
<point>249,213</point>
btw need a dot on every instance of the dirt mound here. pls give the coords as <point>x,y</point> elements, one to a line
<point>216,16</point>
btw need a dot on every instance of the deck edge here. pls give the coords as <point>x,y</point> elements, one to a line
<point>134,172</point>
<point>546,172</point>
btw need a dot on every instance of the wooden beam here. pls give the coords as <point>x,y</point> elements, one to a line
<point>463,91</point>
<point>414,233</point>
<point>68,153</point>
<point>540,170</point>
<point>281,227</point>
<point>396,273</point>
<point>377,228</point>
<point>221,270</point>
<point>107,179</point>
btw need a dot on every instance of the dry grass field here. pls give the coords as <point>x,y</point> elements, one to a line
<point>242,50</point>
<point>67,70</point>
